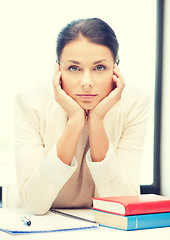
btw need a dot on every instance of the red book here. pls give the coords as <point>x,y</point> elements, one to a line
<point>133,205</point>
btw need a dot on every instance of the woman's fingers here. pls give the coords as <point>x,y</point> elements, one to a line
<point>117,77</point>
<point>118,81</point>
<point>57,77</point>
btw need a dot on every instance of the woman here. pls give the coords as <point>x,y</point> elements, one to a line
<point>84,135</point>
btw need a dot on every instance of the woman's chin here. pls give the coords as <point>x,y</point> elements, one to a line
<point>88,106</point>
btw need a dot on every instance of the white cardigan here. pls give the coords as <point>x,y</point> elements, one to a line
<point>40,122</point>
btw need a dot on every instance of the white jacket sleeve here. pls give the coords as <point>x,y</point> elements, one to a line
<point>119,173</point>
<point>40,176</point>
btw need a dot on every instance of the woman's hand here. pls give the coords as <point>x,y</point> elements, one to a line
<point>71,107</point>
<point>114,96</point>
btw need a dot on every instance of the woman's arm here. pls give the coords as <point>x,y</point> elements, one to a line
<point>99,142</point>
<point>119,172</point>
<point>37,191</point>
<point>67,143</point>
<point>41,175</point>
<point>116,169</point>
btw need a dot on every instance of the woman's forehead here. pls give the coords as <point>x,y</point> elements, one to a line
<point>82,49</point>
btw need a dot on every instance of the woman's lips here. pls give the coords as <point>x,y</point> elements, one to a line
<point>87,96</point>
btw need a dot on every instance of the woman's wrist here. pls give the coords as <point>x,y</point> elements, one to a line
<point>77,121</point>
<point>94,117</point>
<point>67,143</point>
<point>97,137</point>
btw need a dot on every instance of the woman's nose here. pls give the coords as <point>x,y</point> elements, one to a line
<point>86,81</point>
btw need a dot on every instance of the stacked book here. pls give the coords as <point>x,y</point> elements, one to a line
<point>132,212</point>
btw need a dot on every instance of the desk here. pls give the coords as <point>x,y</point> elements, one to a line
<point>95,234</point>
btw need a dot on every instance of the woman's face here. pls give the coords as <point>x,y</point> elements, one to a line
<point>87,70</point>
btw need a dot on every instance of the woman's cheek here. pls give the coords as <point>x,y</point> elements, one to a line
<point>108,84</point>
<point>68,85</point>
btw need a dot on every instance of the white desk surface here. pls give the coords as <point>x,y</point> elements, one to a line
<point>95,234</point>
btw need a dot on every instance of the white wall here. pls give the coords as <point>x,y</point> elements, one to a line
<point>165,145</point>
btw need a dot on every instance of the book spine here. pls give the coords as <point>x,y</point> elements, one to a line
<point>146,221</point>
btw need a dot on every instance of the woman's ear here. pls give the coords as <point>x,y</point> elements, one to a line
<point>114,86</point>
<point>61,83</point>
<point>57,65</point>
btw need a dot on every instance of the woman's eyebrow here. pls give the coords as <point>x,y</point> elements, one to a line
<point>96,62</point>
<point>73,61</point>
<point>99,61</point>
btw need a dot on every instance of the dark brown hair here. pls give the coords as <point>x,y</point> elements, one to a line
<point>94,29</point>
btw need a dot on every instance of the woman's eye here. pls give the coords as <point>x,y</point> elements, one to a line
<point>100,68</point>
<point>73,68</point>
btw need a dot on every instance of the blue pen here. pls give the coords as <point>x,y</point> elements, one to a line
<point>25,220</point>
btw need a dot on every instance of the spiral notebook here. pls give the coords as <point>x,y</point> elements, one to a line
<point>53,221</point>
